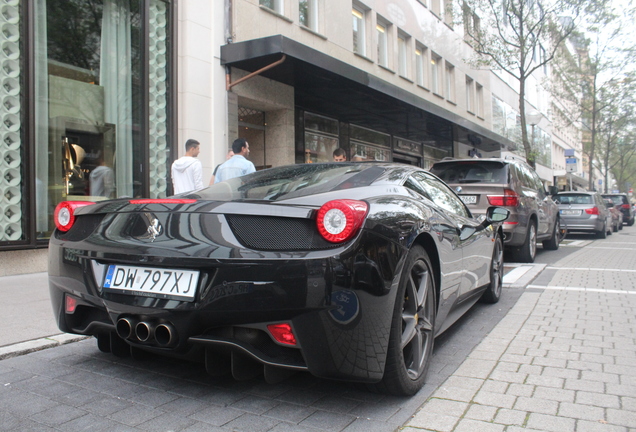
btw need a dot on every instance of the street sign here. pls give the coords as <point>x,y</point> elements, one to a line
<point>570,164</point>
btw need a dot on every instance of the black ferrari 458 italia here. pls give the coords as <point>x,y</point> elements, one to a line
<point>345,270</point>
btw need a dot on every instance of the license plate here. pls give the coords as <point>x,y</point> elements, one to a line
<point>569,212</point>
<point>152,282</point>
<point>469,199</point>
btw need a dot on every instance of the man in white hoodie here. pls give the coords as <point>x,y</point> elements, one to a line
<point>187,172</point>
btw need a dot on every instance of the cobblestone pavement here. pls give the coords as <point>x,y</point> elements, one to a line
<point>563,359</point>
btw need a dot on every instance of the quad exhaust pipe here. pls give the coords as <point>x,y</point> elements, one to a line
<point>164,334</point>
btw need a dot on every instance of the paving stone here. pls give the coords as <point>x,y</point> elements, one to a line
<point>585,385</point>
<point>433,421</point>
<point>546,381</point>
<point>511,417</point>
<point>553,394</point>
<point>495,386</point>
<point>584,412</point>
<point>520,390</point>
<point>621,418</point>
<point>495,399</point>
<point>536,405</point>
<point>468,425</point>
<point>550,423</point>
<point>595,426</point>
<point>480,412</point>
<point>327,420</point>
<point>596,399</point>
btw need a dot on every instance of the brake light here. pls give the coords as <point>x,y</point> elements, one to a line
<point>282,333</point>
<point>508,199</point>
<point>592,211</point>
<point>64,215</point>
<point>162,201</point>
<point>625,206</point>
<point>339,220</point>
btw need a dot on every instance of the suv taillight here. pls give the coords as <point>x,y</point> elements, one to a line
<point>508,199</point>
<point>626,206</point>
<point>592,211</point>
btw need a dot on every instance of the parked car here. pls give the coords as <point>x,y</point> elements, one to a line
<point>345,270</point>
<point>622,200</point>
<point>585,211</point>
<point>513,184</point>
<point>617,215</point>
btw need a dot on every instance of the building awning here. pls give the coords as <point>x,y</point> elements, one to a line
<point>327,85</point>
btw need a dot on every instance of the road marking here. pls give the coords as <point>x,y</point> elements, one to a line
<point>592,269</point>
<point>597,290</point>
<point>611,248</point>
<point>513,275</point>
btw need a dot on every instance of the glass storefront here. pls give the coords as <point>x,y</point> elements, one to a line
<point>85,90</point>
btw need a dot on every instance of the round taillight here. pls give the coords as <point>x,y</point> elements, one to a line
<point>64,215</point>
<point>339,220</point>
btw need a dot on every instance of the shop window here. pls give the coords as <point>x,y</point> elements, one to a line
<point>90,101</point>
<point>369,136</point>
<point>12,181</point>
<point>321,138</point>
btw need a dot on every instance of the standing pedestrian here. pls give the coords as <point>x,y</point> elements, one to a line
<point>237,165</point>
<point>187,172</point>
<point>230,153</point>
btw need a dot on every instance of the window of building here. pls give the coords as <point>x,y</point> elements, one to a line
<point>436,64</point>
<point>277,6</point>
<point>99,131</point>
<point>403,55</point>
<point>448,12</point>
<point>420,65</point>
<point>321,138</point>
<point>470,95</point>
<point>472,23</point>
<point>436,7</point>
<point>308,14</point>
<point>449,82</point>
<point>479,101</point>
<point>359,31</point>
<point>382,30</point>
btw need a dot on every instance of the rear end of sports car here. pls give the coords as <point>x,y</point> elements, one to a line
<point>229,283</point>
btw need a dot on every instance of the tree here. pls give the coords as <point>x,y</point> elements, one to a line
<point>519,37</point>
<point>605,53</point>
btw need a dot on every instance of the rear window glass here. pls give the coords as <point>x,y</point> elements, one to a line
<point>574,199</point>
<point>616,199</point>
<point>292,182</point>
<point>472,172</point>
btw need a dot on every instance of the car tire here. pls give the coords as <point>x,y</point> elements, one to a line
<point>553,242</point>
<point>528,250</point>
<point>602,233</point>
<point>412,328</point>
<point>620,226</point>
<point>615,228</point>
<point>493,292</point>
<point>630,222</point>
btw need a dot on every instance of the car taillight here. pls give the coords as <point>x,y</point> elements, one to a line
<point>592,211</point>
<point>64,215</point>
<point>508,199</point>
<point>625,206</point>
<point>283,333</point>
<point>339,220</point>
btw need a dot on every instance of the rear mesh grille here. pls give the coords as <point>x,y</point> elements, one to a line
<point>277,233</point>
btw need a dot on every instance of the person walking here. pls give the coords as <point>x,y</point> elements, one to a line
<point>230,153</point>
<point>187,172</point>
<point>237,165</point>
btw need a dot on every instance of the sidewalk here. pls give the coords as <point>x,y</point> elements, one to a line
<point>26,315</point>
<point>563,359</point>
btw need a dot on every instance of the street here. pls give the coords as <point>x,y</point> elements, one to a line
<point>555,354</point>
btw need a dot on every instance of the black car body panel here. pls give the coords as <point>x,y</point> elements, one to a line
<point>261,260</point>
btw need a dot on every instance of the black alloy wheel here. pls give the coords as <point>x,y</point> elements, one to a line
<point>493,292</point>
<point>413,327</point>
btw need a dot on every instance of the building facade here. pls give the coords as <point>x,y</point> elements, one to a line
<point>101,95</point>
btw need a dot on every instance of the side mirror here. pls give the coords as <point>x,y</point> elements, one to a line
<point>553,190</point>
<point>496,214</point>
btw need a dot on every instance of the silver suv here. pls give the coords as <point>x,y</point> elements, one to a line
<point>512,184</point>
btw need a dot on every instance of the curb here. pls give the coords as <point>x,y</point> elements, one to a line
<point>27,347</point>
